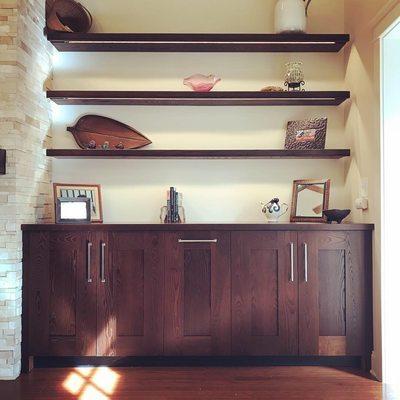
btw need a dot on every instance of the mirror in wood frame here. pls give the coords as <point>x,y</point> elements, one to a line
<point>310,199</point>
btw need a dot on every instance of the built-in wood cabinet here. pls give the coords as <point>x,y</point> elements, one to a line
<point>130,295</point>
<point>163,290</point>
<point>197,294</point>
<point>264,293</point>
<point>334,290</point>
<point>95,293</point>
<point>61,296</point>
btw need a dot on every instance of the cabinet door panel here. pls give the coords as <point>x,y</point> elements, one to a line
<point>332,292</point>
<point>332,306</point>
<point>263,275</point>
<point>130,300</point>
<point>63,302</point>
<point>197,304</point>
<point>36,293</point>
<point>129,277</point>
<point>197,292</point>
<point>264,297</point>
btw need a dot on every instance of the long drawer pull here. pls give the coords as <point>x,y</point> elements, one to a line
<point>89,262</point>
<point>198,241</point>
<point>292,262</point>
<point>103,262</point>
<point>305,262</point>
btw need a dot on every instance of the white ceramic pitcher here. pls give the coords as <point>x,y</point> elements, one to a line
<point>291,16</point>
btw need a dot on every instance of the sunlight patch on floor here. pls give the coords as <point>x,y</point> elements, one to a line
<point>91,393</point>
<point>89,383</point>
<point>74,383</point>
<point>105,379</point>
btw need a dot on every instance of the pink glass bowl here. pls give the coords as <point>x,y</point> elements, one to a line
<point>201,83</point>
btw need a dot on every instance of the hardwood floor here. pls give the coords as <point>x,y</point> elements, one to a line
<point>245,383</point>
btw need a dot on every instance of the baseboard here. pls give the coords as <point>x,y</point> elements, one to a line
<point>67,362</point>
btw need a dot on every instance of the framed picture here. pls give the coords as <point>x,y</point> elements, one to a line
<point>73,191</point>
<point>73,210</point>
<point>306,135</point>
<point>310,198</point>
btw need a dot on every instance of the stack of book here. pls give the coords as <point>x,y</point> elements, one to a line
<point>174,202</point>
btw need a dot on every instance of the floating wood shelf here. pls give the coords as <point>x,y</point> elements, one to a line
<point>331,98</point>
<point>207,154</point>
<point>196,42</point>
<point>3,157</point>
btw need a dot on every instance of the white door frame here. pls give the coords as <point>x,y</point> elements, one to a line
<point>384,24</point>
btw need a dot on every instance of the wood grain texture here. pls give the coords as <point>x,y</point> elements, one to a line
<point>211,319</point>
<point>129,282</point>
<point>72,318</point>
<point>62,318</point>
<point>261,275</point>
<point>332,346</point>
<point>3,160</point>
<point>66,252</point>
<point>197,282</point>
<point>357,295</point>
<point>245,383</point>
<point>332,292</point>
<point>130,301</point>
<point>203,227</point>
<point>99,129</point>
<point>345,306</point>
<point>36,294</point>
<point>26,358</point>
<point>198,154</point>
<point>264,278</point>
<point>86,323</point>
<point>129,315</point>
<point>106,316</point>
<point>181,98</point>
<point>197,42</point>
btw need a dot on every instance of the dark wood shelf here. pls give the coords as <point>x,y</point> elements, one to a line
<point>3,157</point>
<point>205,154</point>
<point>196,42</point>
<point>298,226</point>
<point>74,97</point>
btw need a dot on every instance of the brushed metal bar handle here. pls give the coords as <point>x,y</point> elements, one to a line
<point>198,241</point>
<point>306,262</point>
<point>103,263</point>
<point>89,262</point>
<point>291,262</point>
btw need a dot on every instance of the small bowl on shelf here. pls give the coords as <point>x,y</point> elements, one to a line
<point>336,215</point>
<point>201,83</point>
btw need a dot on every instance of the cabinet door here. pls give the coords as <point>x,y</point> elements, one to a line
<point>130,295</point>
<point>197,303</point>
<point>264,293</point>
<point>334,270</point>
<point>62,294</point>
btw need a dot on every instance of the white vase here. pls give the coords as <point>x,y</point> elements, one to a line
<point>290,16</point>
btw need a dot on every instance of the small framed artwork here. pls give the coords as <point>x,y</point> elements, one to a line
<point>306,135</point>
<point>73,191</point>
<point>310,199</point>
<point>73,210</point>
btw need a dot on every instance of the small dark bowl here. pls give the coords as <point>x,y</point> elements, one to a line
<point>336,215</point>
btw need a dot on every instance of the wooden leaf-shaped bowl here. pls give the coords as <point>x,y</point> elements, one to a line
<point>92,131</point>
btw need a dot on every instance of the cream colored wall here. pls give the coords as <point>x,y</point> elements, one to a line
<point>362,128</point>
<point>224,190</point>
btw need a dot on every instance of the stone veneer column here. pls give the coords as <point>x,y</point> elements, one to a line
<point>25,61</point>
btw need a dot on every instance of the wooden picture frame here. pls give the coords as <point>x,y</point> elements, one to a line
<point>73,190</point>
<point>305,212</point>
<point>60,219</point>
